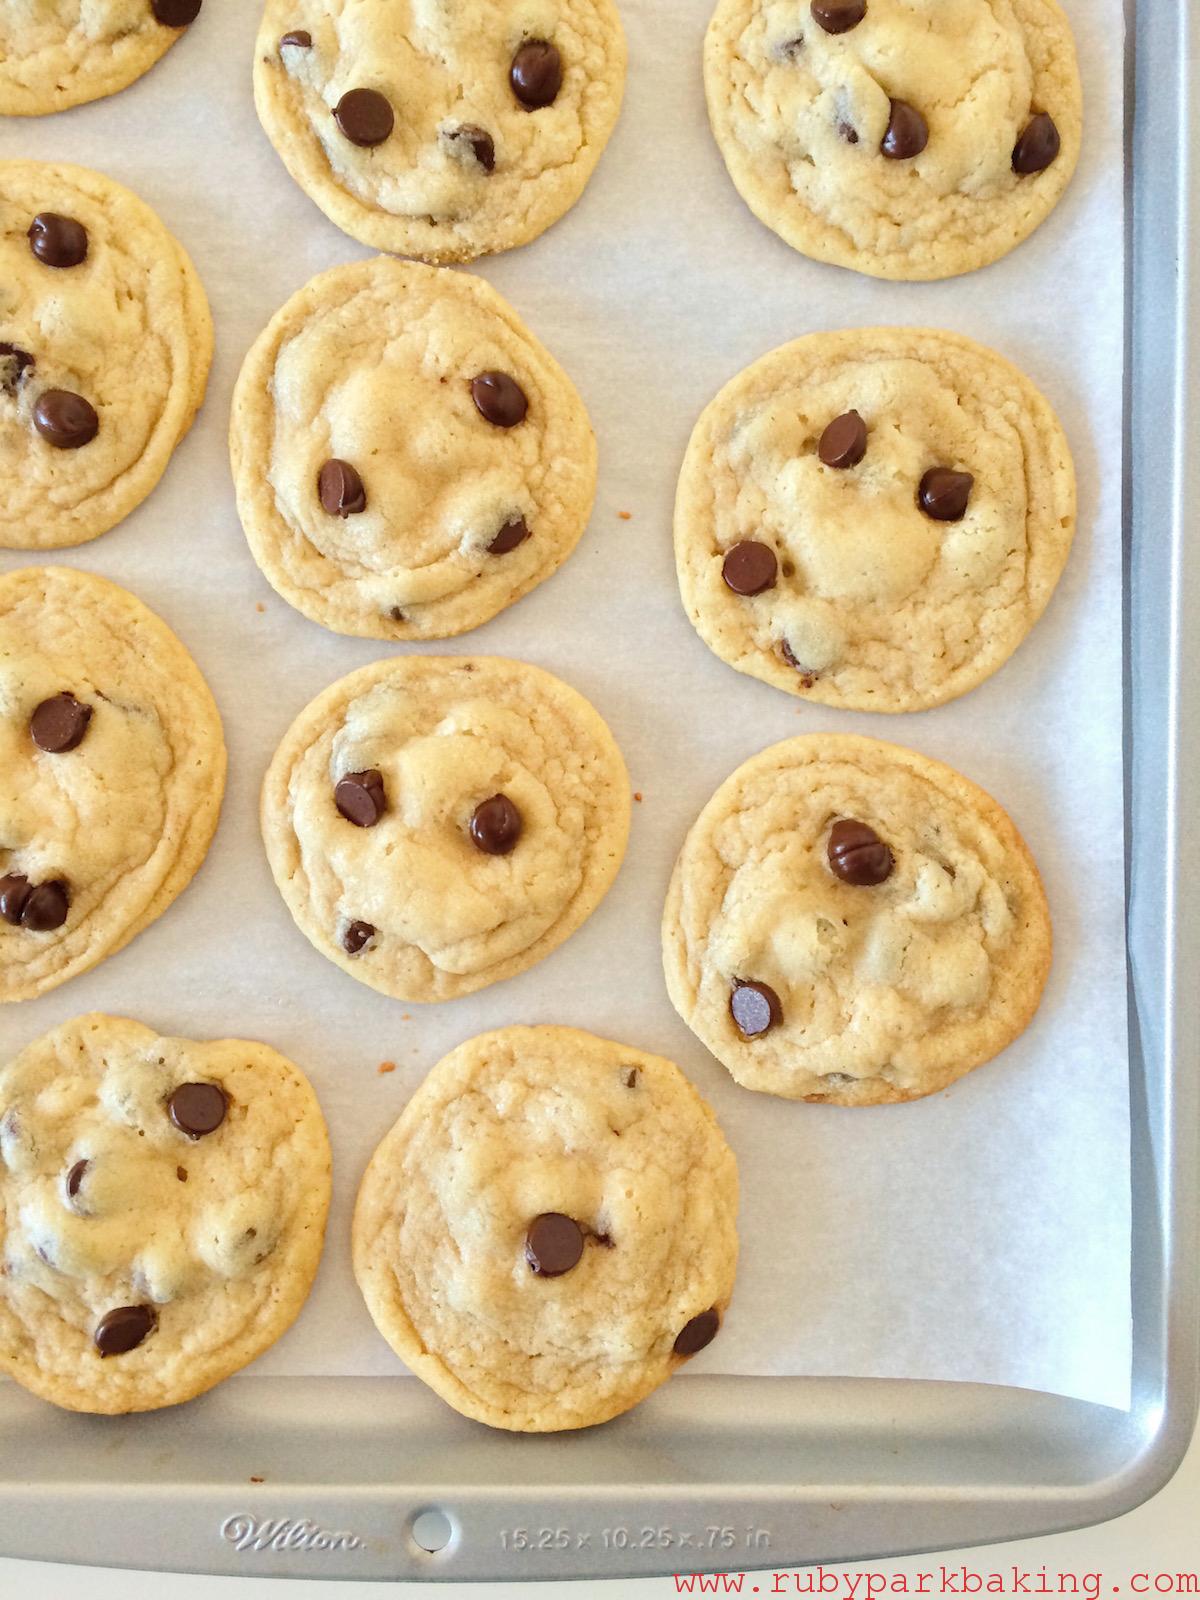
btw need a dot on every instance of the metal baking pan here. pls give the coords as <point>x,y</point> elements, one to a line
<point>732,1474</point>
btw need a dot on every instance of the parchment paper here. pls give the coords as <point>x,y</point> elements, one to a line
<point>980,1235</point>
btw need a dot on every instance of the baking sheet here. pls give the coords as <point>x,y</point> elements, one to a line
<point>982,1235</point>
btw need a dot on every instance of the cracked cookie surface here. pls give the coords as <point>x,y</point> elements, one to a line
<point>436,824</point>
<point>105,345</point>
<point>60,53</point>
<point>549,1230</point>
<point>444,132</point>
<point>113,768</point>
<point>162,1211</point>
<point>810,550</point>
<point>981,150</point>
<point>853,923</point>
<point>409,459</point>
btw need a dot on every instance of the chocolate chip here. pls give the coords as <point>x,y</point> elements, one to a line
<point>59,724</point>
<point>844,442</point>
<point>75,1177</point>
<point>750,567</point>
<point>14,892</point>
<point>536,74</point>
<point>792,49</point>
<point>945,494</point>
<point>341,489</point>
<point>481,142</point>
<point>365,116</point>
<point>14,364</point>
<point>299,37</point>
<point>807,676</point>
<point>848,132</point>
<point>1038,146</point>
<point>58,241</point>
<point>553,1244</point>
<point>510,536</point>
<point>176,13</point>
<point>499,399</point>
<point>360,798</point>
<point>631,1077</point>
<point>397,615</point>
<point>65,420</point>
<point>698,1333</point>
<point>839,16</point>
<point>123,1329</point>
<point>496,826</point>
<point>858,855</point>
<point>907,133</point>
<point>46,908</point>
<point>755,1008</point>
<point>198,1109</point>
<point>181,1174</point>
<point>356,937</point>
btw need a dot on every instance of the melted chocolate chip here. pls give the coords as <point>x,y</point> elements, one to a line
<point>341,489</point>
<point>58,241</point>
<point>499,399</point>
<point>839,16</point>
<point>807,676</point>
<point>536,74</point>
<point>496,826</point>
<point>750,567</point>
<point>857,855</point>
<point>14,892</point>
<point>483,146</point>
<point>65,420</point>
<point>945,494</point>
<point>755,1009</point>
<point>123,1329</point>
<point>176,13</point>
<point>15,363</point>
<point>1038,146</point>
<point>365,116</point>
<point>907,132</point>
<point>198,1109</point>
<point>299,38</point>
<point>356,937</point>
<point>844,442</point>
<point>510,536</point>
<point>360,798</point>
<point>553,1244</point>
<point>698,1333</point>
<point>75,1177</point>
<point>46,907</point>
<point>59,724</point>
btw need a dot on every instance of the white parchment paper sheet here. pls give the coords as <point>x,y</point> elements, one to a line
<point>980,1235</point>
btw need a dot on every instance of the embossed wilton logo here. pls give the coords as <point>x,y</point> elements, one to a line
<point>245,1533</point>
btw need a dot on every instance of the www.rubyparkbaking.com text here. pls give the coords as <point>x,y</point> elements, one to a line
<point>956,1580</point>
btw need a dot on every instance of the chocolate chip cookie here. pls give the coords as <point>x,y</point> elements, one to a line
<point>105,346</point>
<point>853,923</point>
<point>112,768</point>
<point>60,53</point>
<point>873,519</point>
<point>903,138</point>
<point>162,1210</point>
<point>444,132</point>
<point>409,459</point>
<point>437,824</point>
<point>548,1232</point>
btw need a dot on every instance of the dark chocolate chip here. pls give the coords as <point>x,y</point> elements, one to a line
<point>360,798</point>
<point>848,132</point>
<point>123,1329</point>
<point>1038,146</point>
<point>356,937</point>
<point>496,826</point>
<point>510,536</point>
<point>46,907</point>
<point>14,892</point>
<point>907,133</point>
<point>341,489</point>
<point>65,420</point>
<point>75,1177</point>
<point>58,241</point>
<point>755,1008</point>
<point>365,116</point>
<point>698,1333</point>
<point>750,567</point>
<point>945,494</point>
<point>299,37</point>
<point>553,1244</point>
<point>176,13</point>
<point>481,142</point>
<point>59,724</point>
<point>198,1109</point>
<point>536,74</point>
<point>807,676</point>
<point>839,16</point>
<point>499,399</point>
<point>844,442</point>
<point>14,364</point>
<point>858,855</point>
